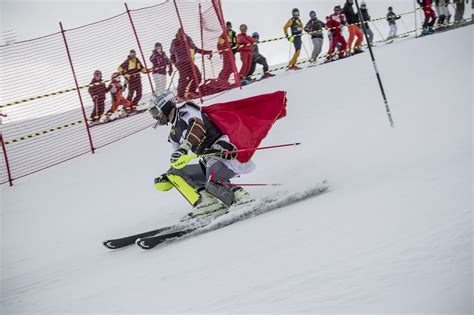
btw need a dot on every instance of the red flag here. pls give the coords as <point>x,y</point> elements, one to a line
<point>247,121</point>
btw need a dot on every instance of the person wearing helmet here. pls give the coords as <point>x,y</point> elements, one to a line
<point>206,184</point>
<point>366,17</point>
<point>353,27</point>
<point>296,27</point>
<point>116,92</point>
<point>161,63</point>
<point>334,24</point>
<point>227,40</point>
<point>97,91</point>
<point>315,28</point>
<point>391,19</point>
<point>258,58</point>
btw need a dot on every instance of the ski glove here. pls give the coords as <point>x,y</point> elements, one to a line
<point>290,38</point>
<point>220,149</point>
<point>183,150</point>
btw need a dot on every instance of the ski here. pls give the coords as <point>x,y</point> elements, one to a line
<point>232,215</point>
<point>130,240</point>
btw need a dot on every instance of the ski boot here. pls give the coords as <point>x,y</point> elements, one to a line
<point>431,30</point>
<point>425,32</point>
<point>267,75</point>
<point>241,196</point>
<point>357,51</point>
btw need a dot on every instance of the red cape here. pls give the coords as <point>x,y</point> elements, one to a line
<point>247,121</point>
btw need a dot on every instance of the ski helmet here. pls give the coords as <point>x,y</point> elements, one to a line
<point>312,14</point>
<point>255,35</point>
<point>295,10</point>
<point>160,105</point>
<point>115,75</point>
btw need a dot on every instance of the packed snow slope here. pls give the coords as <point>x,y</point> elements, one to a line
<point>394,233</point>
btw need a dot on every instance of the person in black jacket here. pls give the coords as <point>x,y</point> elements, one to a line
<point>97,91</point>
<point>315,28</point>
<point>353,26</point>
<point>366,17</point>
<point>258,58</point>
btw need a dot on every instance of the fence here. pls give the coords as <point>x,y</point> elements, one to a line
<point>42,129</point>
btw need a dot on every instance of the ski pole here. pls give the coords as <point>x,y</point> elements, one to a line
<point>404,25</point>
<point>185,159</point>
<point>171,81</point>
<point>252,185</point>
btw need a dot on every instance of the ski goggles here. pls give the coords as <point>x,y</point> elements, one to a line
<point>158,115</point>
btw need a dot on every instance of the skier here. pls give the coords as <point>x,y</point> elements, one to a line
<point>228,59</point>
<point>335,23</point>
<point>258,58</point>
<point>205,131</point>
<point>97,91</point>
<point>160,62</point>
<point>183,59</point>
<point>353,26</point>
<point>459,13</point>
<point>131,69</point>
<point>430,16</point>
<point>391,18</point>
<point>366,17</point>
<point>315,28</point>
<point>443,13</point>
<point>116,89</point>
<point>245,43</point>
<point>296,27</point>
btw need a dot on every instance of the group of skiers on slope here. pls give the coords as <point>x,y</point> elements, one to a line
<point>444,14</point>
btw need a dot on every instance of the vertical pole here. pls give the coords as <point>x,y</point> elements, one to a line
<point>220,16</point>
<point>193,67</point>
<point>416,23</point>
<point>140,48</point>
<point>5,156</point>
<point>387,108</point>
<point>202,43</point>
<point>77,87</point>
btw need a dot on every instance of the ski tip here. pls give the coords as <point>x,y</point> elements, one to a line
<point>142,244</point>
<point>108,244</point>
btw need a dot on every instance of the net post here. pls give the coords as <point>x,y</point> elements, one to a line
<point>5,156</point>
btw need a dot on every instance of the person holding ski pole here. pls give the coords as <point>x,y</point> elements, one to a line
<point>296,27</point>
<point>391,19</point>
<point>315,28</point>
<point>213,135</point>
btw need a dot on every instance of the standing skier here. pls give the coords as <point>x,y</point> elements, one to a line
<point>257,57</point>
<point>245,43</point>
<point>366,17</point>
<point>391,19</point>
<point>315,28</point>
<point>335,23</point>
<point>116,92</point>
<point>131,69</point>
<point>97,91</point>
<point>443,13</point>
<point>296,27</point>
<point>160,64</point>
<point>353,26</point>
<point>227,40</point>
<point>459,12</point>
<point>430,16</point>
<point>203,131</point>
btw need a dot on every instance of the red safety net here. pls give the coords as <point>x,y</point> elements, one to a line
<point>45,120</point>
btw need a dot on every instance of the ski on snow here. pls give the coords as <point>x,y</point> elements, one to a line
<point>215,220</point>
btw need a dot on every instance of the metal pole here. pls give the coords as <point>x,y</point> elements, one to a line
<point>140,48</point>
<point>5,156</point>
<point>185,38</point>
<point>77,87</point>
<point>387,108</point>
<point>202,43</point>
<point>220,17</point>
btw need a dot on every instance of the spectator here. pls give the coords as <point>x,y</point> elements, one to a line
<point>353,26</point>
<point>391,18</point>
<point>366,18</point>
<point>443,13</point>
<point>160,64</point>
<point>245,48</point>
<point>228,59</point>
<point>97,91</point>
<point>131,69</point>
<point>116,89</point>
<point>459,13</point>
<point>335,23</point>
<point>430,16</point>
<point>315,28</point>
<point>183,59</point>
<point>257,57</point>
<point>296,27</point>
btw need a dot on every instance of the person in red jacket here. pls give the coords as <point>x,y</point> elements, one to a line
<point>116,89</point>
<point>245,43</point>
<point>334,24</point>
<point>430,16</point>
<point>97,91</point>
<point>227,40</point>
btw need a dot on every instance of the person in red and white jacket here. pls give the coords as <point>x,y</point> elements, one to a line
<point>245,43</point>
<point>335,23</point>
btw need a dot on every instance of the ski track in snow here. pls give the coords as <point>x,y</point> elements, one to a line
<point>394,234</point>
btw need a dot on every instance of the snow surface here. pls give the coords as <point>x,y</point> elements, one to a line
<point>394,234</point>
